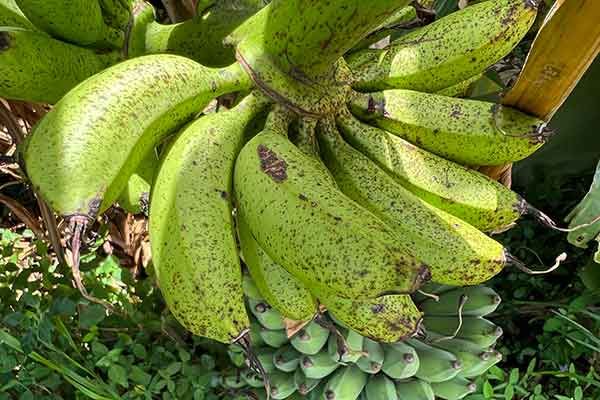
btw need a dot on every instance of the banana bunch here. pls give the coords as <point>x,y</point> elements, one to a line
<point>328,359</point>
<point>348,195</point>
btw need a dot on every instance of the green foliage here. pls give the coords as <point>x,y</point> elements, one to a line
<point>56,345</point>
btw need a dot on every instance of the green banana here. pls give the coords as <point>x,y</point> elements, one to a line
<point>345,384</point>
<point>310,339</point>
<point>253,379</point>
<point>414,389</point>
<point>11,15</point>
<point>278,287</point>
<point>380,387</point>
<point>274,338</point>
<point>201,38</point>
<point>233,381</point>
<point>191,226</point>
<point>460,89</point>
<point>474,329</point>
<point>401,361</point>
<point>462,192</point>
<point>435,365</point>
<point>345,249</point>
<point>286,359</point>
<point>345,346</point>
<point>456,252</point>
<point>135,198</point>
<point>471,356</point>
<point>303,384</point>
<point>400,18</point>
<point>384,319</point>
<point>35,67</point>
<point>453,389</point>
<point>250,289</point>
<point>318,366</point>
<point>255,334</point>
<point>478,302</point>
<point>265,356</point>
<point>470,132</point>
<point>238,358</point>
<point>79,22</point>
<point>487,361</point>
<point>372,358</point>
<point>447,51</point>
<point>266,315</point>
<point>282,385</point>
<point>80,160</point>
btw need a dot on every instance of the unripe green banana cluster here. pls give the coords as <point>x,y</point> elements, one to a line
<point>328,359</point>
<point>348,195</point>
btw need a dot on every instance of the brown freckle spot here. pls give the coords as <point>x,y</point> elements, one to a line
<point>475,261</point>
<point>377,308</point>
<point>302,197</point>
<point>271,164</point>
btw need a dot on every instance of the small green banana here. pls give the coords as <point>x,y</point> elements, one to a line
<point>233,381</point>
<point>345,346</point>
<point>447,51</point>
<point>380,387</point>
<point>255,334</point>
<point>265,357</point>
<point>471,356</point>
<point>318,366</point>
<point>486,361</point>
<point>81,154</point>
<point>345,249</point>
<point>35,67</point>
<point>250,289</point>
<point>278,287</point>
<point>282,385</point>
<point>275,338</point>
<point>303,384</point>
<point>454,389</point>
<point>286,359</point>
<point>414,389</point>
<point>435,365</point>
<point>462,192</point>
<point>191,225</point>
<point>80,22</point>
<point>470,132</point>
<point>345,384</point>
<point>310,339</point>
<point>474,329</point>
<point>238,358</point>
<point>372,358</point>
<point>11,15</point>
<point>266,315</point>
<point>253,379</point>
<point>456,252</point>
<point>135,198</point>
<point>478,302</point>
<point>384,319</point>
<point>401,361</point>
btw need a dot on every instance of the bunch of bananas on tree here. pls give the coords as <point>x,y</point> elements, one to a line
<point>336,356</point>
<point>341,176</point>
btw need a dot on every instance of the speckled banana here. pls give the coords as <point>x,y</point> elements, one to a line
<point>470,132</point>
<point>191,225</point>
<point>462,192</point>
<point>11,15</point>
<point>135,198</point>
<point>81,154</point>
<point>384,319</point>
<point>456,252</point>
<point>309,227</point>
<point>80,22</point>
<point>278,287</point>
<point>35,67</point>
<point>447,51</point>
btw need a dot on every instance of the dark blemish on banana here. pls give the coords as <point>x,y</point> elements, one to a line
<point>271,164</point>
<point>4,41</point>
<point>456,112</point>
<point>224,195</point>
<point>302,197</point>
<point>377,308</point>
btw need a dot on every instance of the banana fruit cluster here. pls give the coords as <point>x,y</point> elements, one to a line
<point>329,357</point>
<point>352,205</point>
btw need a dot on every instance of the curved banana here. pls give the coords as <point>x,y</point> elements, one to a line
<point>135,198</point>
<point>447,51</point>
<point>79,22</point>
<point>470,132</point>
<point>435,365</point>
<point>478,302</point>
<point>191,226</point>
<point>414,389</point>
<point>279,288</point>
<point>454,389</point>
<point>474,329</point>
<point>462,192</point>
<point>310,228</point>
<point>11,15</point>
<point>456,252</point>
<point>385,319</point>
<point>81,154</point>
<point>346,384</point>
<point>35,67</point>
